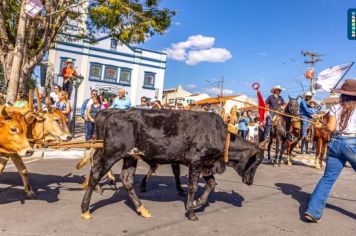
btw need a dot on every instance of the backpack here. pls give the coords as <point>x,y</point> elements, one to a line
<point>83,108</point>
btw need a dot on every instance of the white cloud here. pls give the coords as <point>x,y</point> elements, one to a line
<point>216,91</point>
<point>195,41</point>
<point>262,54</point>
<point>176,54</point>
<point>191,86</point>
<point>208,55</point>
<point>196,49</point>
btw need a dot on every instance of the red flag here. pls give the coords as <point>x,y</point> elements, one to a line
<point>261,103</point>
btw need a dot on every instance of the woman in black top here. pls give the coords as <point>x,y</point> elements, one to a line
<point>90,113</point>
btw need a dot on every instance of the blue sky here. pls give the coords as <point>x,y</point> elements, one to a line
<point>261,37</point>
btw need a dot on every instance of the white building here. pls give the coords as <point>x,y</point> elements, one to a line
<point>242,102</point>
<point>109,65</point>
<point>172,95</point>
<point>195,98</point>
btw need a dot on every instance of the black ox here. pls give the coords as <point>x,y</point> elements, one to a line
<point>194,139</point>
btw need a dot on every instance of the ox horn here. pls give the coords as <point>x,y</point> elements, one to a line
<point>39,105</point>
<point>4,114</point>
<point>30,99</point>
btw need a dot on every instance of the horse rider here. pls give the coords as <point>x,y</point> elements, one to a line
<point>306,112</point>
<point>274,102</point>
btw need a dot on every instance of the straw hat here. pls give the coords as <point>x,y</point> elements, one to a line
<point>348,87</point>
<point>277,87</point>
<point>69,61</point>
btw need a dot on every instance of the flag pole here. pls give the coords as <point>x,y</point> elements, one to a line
<point>352,63</point>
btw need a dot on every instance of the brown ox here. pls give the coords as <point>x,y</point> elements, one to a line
<point>14,144</point>
<point>44,125</point>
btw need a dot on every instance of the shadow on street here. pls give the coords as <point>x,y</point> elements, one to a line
<point>303,198</point>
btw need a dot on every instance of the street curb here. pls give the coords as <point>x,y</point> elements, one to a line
<point>73,153</point>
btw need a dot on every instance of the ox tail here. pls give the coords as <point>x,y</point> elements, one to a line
<point>88,155</point>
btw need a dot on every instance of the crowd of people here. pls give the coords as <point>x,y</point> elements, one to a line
<point>97,102</point>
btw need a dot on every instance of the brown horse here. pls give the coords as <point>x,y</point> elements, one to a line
<point>322,137</point>
<point>282,128</point>
<point>295,132</point>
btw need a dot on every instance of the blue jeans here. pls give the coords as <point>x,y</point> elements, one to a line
<point>305,126</point>
<point>89,130</point>
<point>340,150</point>
<point>269,124</point>
<point>243,134</point>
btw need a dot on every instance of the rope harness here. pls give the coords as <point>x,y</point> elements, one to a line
<point>268,109</point>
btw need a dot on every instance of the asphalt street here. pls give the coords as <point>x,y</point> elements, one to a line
<point>273,205</point>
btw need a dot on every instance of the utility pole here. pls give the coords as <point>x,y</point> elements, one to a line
<point>221,86</point>
<point>313,59</point>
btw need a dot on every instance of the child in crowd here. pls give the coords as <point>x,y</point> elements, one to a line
<point>252,132</point>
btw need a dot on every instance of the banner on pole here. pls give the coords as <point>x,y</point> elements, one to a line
<point>329,78</point>
<point>33,7</point>
<point>261,102</point>
<point>309,73</point>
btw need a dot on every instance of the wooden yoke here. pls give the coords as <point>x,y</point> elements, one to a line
<point>230,129</point>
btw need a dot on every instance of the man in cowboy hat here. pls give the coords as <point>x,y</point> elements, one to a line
<point>274,102</point>
<point>306,112</point>
<point>68,73</point>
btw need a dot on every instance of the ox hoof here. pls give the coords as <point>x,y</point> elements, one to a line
<point>143,189</point>
<point>99,189</point>
<point>31,195</point>
<point>85,184</point>
<point>144,212</point>
<point>86,215</point>
<point>289,163</point>
<point>192,216</point>
<point>198,203</point>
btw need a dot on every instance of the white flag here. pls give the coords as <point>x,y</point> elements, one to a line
<point>33,7</point>
<point>330,77</point>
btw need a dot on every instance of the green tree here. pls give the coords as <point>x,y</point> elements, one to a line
<point>24,41</point>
